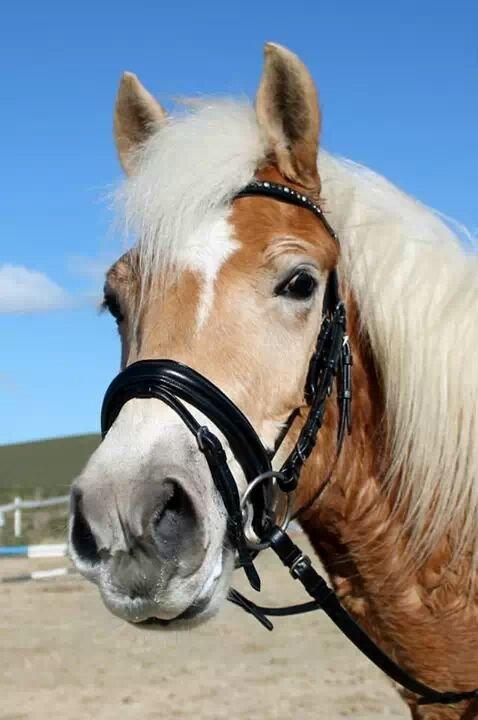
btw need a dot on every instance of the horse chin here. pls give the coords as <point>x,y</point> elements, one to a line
<point>190,618</point>
<point>194,615</point>
<point>206,605</point>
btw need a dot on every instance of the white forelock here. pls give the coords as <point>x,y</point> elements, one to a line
<point>416,286</point>
<point>186,172</point>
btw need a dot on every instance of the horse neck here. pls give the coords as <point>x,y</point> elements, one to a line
<point>419,614</point>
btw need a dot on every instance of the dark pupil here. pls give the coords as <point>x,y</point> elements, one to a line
<point>302,285</point>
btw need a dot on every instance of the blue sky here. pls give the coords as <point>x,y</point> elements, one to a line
<point>398,87</point>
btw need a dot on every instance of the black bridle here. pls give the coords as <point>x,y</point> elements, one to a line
<point>174,384</point>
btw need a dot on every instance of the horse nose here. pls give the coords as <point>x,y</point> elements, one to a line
<point>174,525</point>
<point>158,526</point>
<point>82,540</point>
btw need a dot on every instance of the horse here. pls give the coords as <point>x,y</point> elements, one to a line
<point>234,286</point>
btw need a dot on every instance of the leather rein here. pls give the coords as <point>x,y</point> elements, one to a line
<point>253,523</point>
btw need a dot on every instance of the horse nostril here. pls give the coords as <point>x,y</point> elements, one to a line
<point>82,538</point>
<point>174,521</point>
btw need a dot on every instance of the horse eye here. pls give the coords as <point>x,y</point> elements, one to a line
<point>111,303</point>
<point>301,286</point>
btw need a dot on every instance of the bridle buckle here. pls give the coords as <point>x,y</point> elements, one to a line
<point>299,565</point>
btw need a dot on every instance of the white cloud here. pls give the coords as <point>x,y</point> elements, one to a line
<point>28,291</point>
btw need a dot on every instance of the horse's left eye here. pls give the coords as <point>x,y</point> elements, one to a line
<point>301,286</point>
<point>111,303</point>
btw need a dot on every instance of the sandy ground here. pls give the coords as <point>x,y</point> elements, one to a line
<point>62,655</point>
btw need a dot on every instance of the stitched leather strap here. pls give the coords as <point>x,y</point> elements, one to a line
<point>325,599</point>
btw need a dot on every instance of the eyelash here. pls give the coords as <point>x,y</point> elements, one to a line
<point>286,287</point>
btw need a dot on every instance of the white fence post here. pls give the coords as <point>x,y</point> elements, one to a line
<point>17,517</point>
<point>18,505</point>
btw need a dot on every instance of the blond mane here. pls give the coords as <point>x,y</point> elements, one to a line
<point>417,289</point>
<point>415,283</point>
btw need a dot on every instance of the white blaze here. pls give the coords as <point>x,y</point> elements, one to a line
<point>205,252</point>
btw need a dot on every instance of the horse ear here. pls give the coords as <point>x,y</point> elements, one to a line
<point>288,112</point>
<point>137,116</point>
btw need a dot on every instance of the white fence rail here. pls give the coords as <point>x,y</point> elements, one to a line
<point>18,505</point>
<point>39,575</point>
<point>34,551</point>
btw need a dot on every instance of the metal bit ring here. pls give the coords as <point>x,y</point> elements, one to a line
<point>258,545</point>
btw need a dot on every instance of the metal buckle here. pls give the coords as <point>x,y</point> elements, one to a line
<point>253,542</point>
<point>302,562</point>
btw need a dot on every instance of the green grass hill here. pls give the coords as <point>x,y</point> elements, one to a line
<point>44,468</point>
